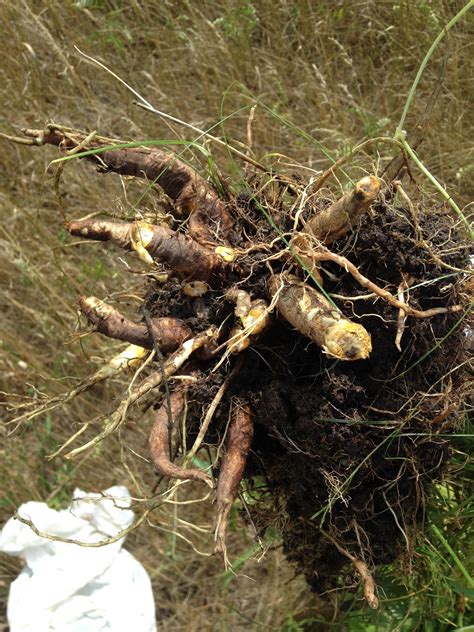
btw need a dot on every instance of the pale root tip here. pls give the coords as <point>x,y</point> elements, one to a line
<point>348,341</point>
<point>226,254</point>
<point>368,187</point>
<point>101,309</point>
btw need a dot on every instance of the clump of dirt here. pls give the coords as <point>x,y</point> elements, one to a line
<point>345,451</point>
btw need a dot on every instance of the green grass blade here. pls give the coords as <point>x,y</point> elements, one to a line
<point>425,61</point>
<point>454,556</point>
<point>437,185</point>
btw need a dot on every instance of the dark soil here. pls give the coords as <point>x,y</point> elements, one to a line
<point>344,448</point>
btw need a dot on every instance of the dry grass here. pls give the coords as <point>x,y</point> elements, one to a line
<point>338,71</point>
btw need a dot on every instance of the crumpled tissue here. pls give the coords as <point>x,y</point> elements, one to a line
<point>65,587</point>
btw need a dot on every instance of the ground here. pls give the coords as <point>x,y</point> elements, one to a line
<point>345,83</point>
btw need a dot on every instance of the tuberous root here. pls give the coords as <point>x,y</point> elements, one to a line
<point>237,447</point>
<point>167,333</point>
<point>185,257</point>
<point>160,438</point>
<point>209,219</point>
<point>312,314</point>
<point>339,218</point>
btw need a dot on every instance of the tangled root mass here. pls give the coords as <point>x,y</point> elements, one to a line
<point>342,453</point>
<point>334,442</point>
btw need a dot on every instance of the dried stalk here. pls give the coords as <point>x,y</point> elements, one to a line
<point>130,357</point>
<point>211,410</point>
<point>171,365</point>
<point>92,545</point>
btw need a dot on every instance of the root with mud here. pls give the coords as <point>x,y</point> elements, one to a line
<point>320,345</point>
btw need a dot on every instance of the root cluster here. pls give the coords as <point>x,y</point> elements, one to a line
<point>323,354</point>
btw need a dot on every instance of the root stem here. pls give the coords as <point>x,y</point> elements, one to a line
<point>315,317</point>
<point>238,442</point>
<point>169,333</point>
<point>159,440</point>
<point>385,294</point>
<point>361,568</point>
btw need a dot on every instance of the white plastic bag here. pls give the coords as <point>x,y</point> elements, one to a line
<point>70,588</point>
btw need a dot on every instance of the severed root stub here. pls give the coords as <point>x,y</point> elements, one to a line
<point>341,217</point>
<point>237,448</point>
<point>311,313</point>
<point>334,222</point>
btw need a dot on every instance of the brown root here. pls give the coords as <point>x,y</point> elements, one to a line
<point>238,442</point>
<point>311,313</point>
<point>326,255</point>
<point>171,365</point>
<point>361,567</point>
<point>159,442</point>
<point>210,222</point>
<point>191,194</point>
<point>185,257</point>
<point>169,333</point>
<point>369,583</point>
<point>339,218</point>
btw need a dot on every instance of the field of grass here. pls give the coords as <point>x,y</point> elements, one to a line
<point>327,75</point>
